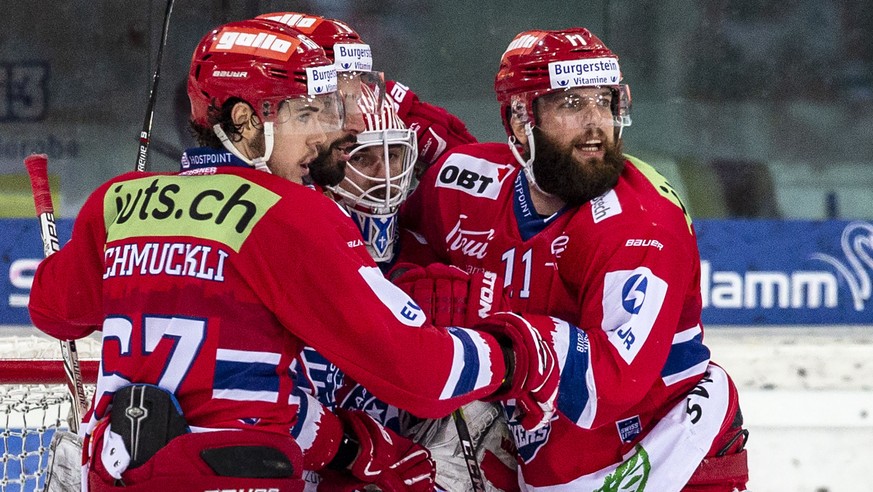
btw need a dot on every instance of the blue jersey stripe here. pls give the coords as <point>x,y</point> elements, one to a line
<point>470,372</point>
<point>249,376</point>
<point>573,388</point>
<point>685,355</point>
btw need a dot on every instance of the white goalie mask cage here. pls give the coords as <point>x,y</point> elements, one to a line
<point>378,177</point>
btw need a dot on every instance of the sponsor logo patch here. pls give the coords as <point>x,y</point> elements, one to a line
<point>476,177</point>
<point>321,80</point>
<point>468,242</point>
<point>631,476</point>
<point>223,208</point>
<point>254,42</point>
<point>302,23</point>
<point>352,57</point>
<point>524,42</point>
<point>605,206</point>
<point>628,429</point>
<point>580,73</point>
<point>632,300</point>
<point>230,74</point>
<point>654,243</point>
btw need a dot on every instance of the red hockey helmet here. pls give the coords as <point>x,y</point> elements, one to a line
<point>260,62</point>
<point>541,62</point>
<point>341,43</point>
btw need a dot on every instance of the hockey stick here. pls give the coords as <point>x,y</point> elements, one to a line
<point>469,451</point>
<point>145,134</point>
<point>37,169</point>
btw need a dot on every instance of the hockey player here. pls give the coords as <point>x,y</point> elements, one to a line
<point>371,204</point>
<point>357,84</point>
<point>582,232</point>
<point>206,284</point>
<point>371,181</point>
<point>436,129</point>
<point>377,179</point>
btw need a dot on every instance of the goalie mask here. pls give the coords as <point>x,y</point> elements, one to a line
<point>554,63</point>
<point>267,65</point>
<point>378,176</point>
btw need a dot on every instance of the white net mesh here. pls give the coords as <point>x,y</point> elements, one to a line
<point>31,413</point>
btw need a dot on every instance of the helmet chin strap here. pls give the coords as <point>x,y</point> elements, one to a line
<point>527,165</point>
<point>259,163</point>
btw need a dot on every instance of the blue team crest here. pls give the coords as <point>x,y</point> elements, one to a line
<point>528,443</point>
<point>634,293</point>
<point>378,233</point>
<point>361,399</point>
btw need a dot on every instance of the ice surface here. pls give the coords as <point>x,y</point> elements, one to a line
<point>807,398</point>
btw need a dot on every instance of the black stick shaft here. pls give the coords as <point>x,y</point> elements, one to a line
<point>145,134</point>
<point>469,451</point>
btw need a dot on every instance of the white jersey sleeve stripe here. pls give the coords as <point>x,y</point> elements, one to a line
<point>248,356</point>
<point>245,395</point>
<point>686,335</point>
<point>308,419</point>
<point>695,370</point>
<point>471,363</point>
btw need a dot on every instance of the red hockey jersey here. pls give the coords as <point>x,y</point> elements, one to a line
<point>208,285</point>
<point>622,271</point>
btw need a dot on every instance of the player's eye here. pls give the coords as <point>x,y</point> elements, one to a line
<point>572,101</point>
<point>304,116</point>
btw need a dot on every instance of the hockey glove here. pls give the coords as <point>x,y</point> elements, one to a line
<point>385,459</point>
<point>437,129</point>
<point>532,371</point>
<point>448,295</point>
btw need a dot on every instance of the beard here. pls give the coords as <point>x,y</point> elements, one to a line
<point>559,173</point>
<point>327,169</point>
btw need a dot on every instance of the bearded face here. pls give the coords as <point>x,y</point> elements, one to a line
<point>329,168</point>
<point>561,169</point>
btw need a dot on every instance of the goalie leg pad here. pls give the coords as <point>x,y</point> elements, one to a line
<point>64,472</point>
<point>147,418</point>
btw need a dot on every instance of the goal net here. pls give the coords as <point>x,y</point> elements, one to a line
<point>35,401</point>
